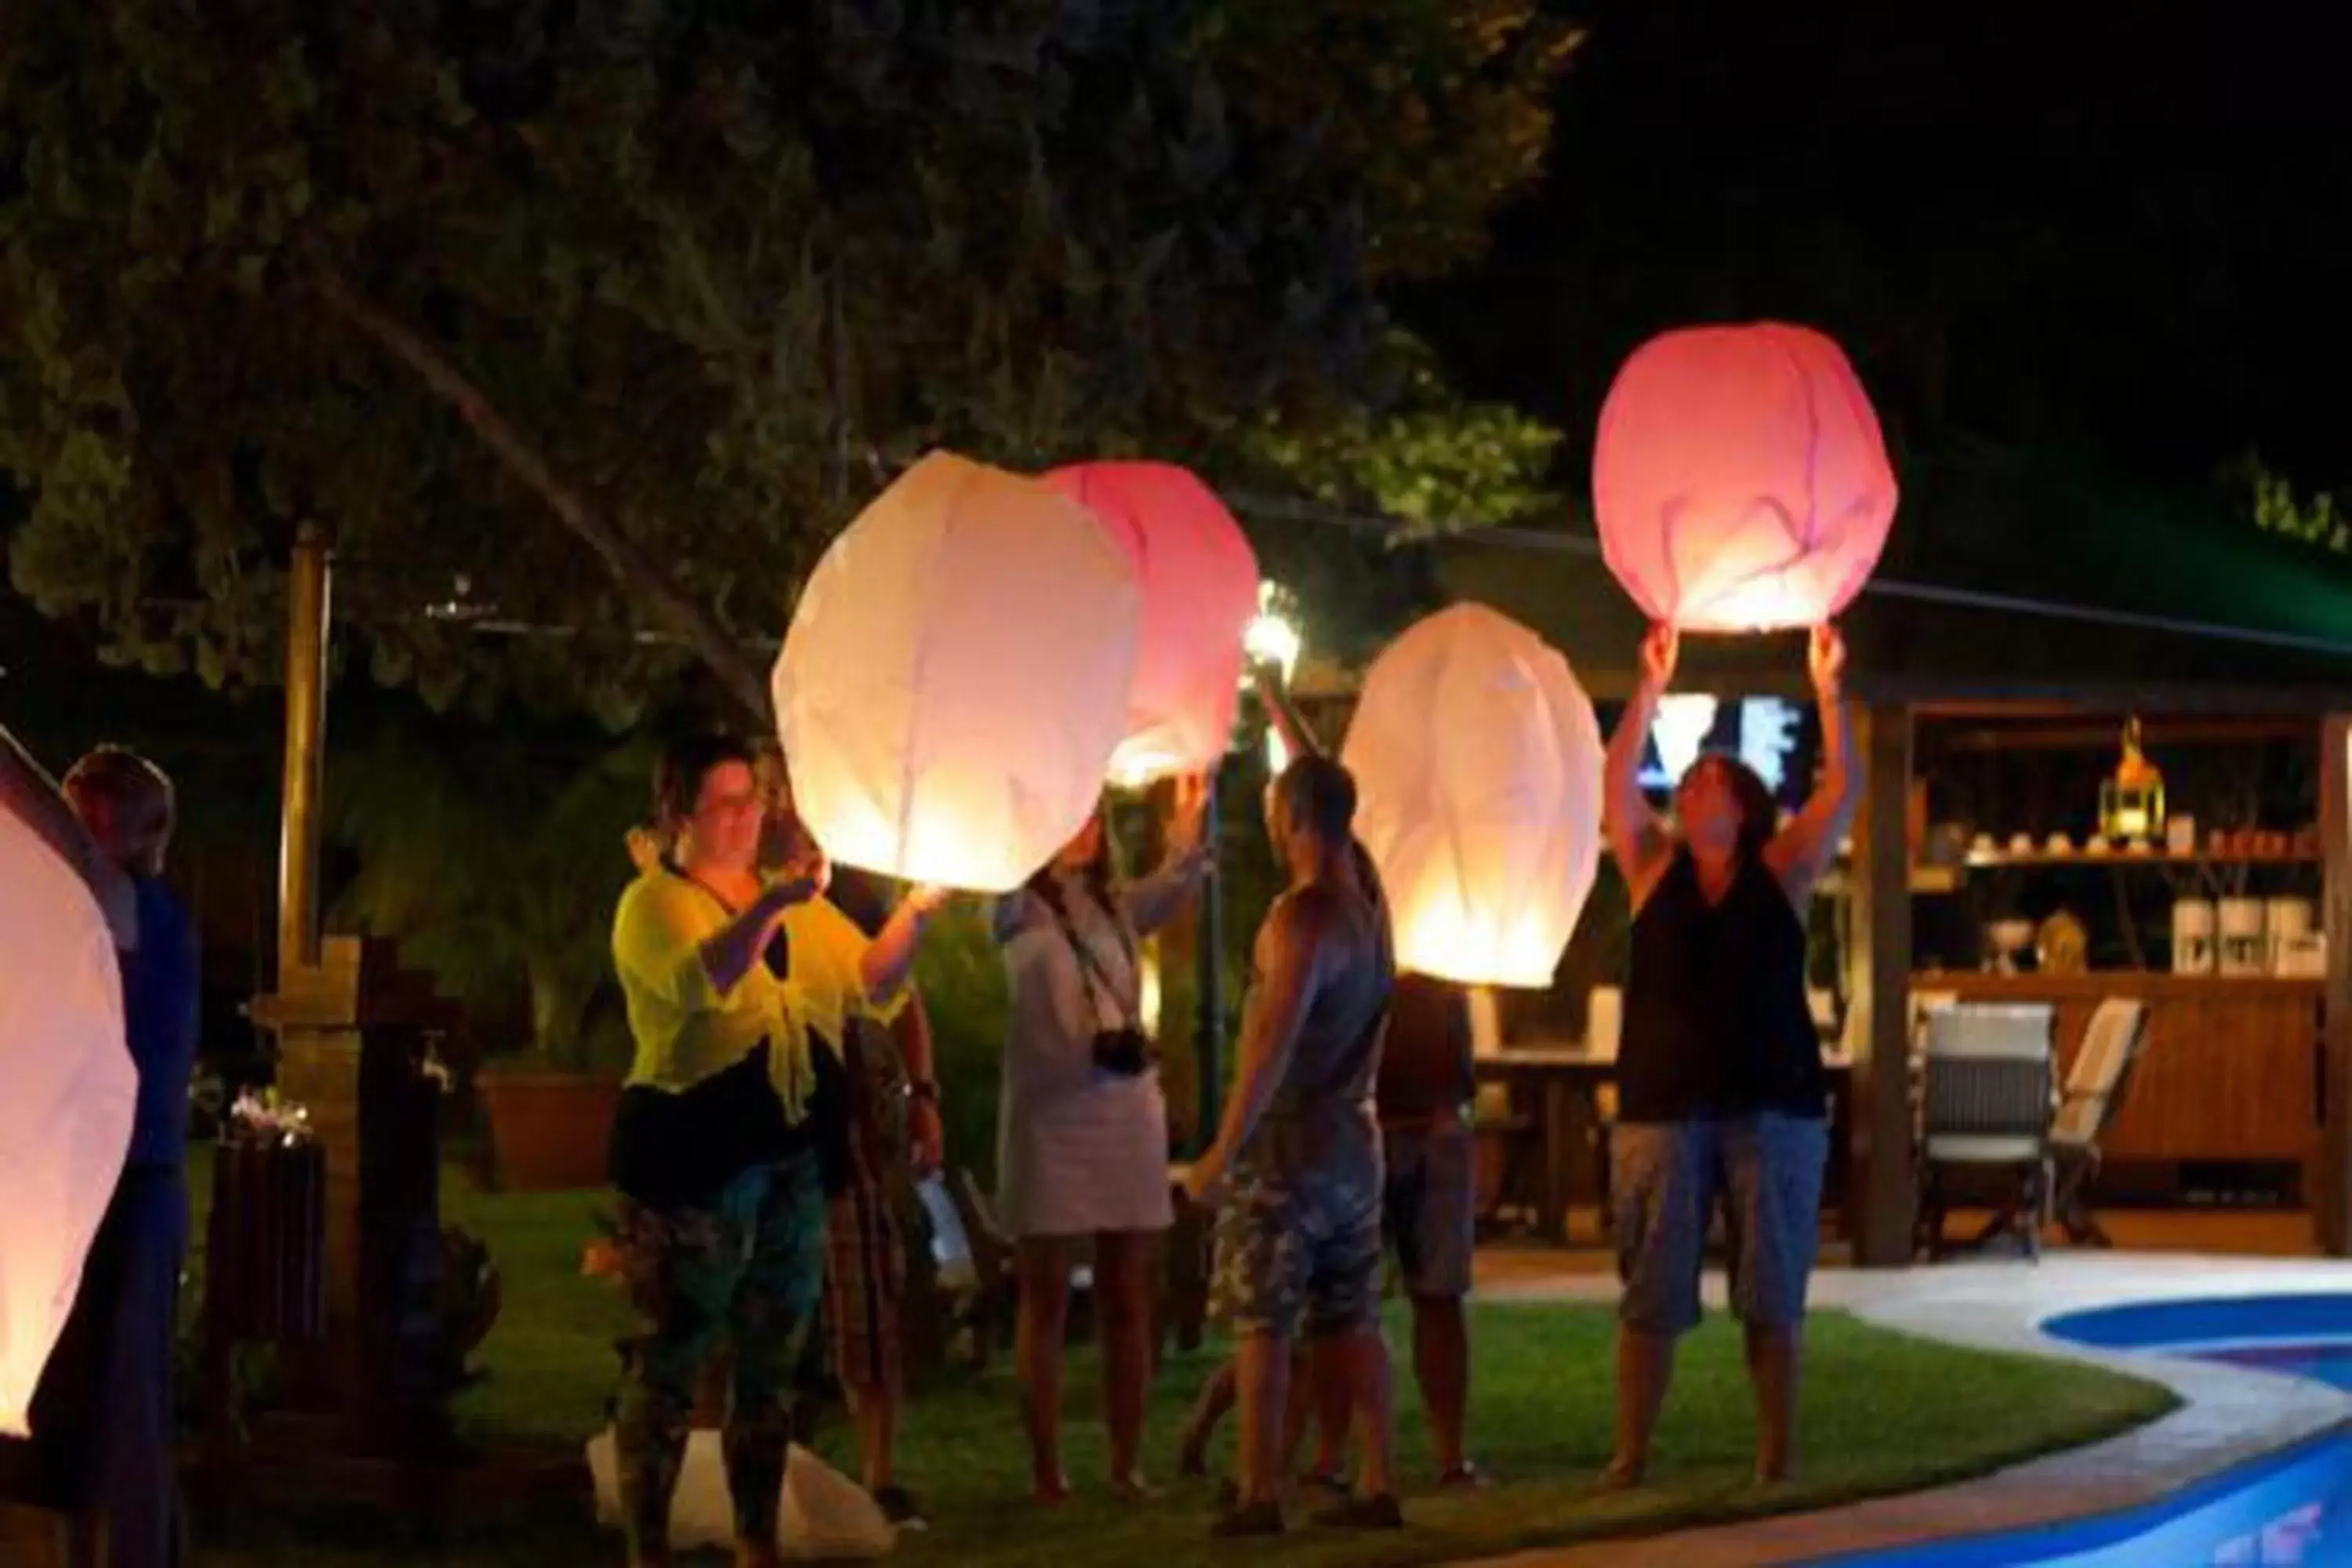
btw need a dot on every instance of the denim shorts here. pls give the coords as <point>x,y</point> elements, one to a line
<point>1666,1178</point>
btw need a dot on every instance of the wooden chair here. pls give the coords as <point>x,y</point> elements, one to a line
<point>1985,1108</point>
<point>2112,1043</point>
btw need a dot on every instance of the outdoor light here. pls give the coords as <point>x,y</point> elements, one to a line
<point>2131,804</point>
<point>1740,481</point>
<point>66,1100</point>
<point>1478,764</point>
<point>1198,580</point>
<point>957,678</point>
<point>1678,732</point>
<point>1272,637</point>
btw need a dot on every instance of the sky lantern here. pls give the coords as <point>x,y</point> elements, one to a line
<point>1478,764</point>
<point>1739,480</point>
<point>1200,585</point>
<point>955,678</point>
<point>67,1093</point>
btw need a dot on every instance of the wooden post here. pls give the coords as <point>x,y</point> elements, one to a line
<point>307,612</point>
<point>2331,1206</point>
<point>1884,1182</point>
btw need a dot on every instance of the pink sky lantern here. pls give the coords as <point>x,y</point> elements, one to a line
<point>67,1094</point>
<point>955,678</point>
<point>1199,579</point>
<point>1477,764</point>
<point>1739,480</point>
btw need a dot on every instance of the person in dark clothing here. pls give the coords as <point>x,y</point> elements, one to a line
<point>1721,1093</point>
<point>102,1414</point>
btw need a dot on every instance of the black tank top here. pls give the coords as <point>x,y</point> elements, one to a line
<point>1717,1021</point>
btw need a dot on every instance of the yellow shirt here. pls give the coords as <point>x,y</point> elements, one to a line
<point>685,1030</point>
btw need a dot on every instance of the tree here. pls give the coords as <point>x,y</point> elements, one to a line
<point>474,285</point>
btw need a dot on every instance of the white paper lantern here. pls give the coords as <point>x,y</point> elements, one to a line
<point>1739,481</point>
<point>1477,762</point>
<point>68,1093</point>
<point>1200,585</point>
<point>955,678</point>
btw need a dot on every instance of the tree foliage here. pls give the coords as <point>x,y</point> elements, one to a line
<point>579,328</point>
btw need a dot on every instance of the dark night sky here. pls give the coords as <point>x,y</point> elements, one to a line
<point>2066,225</point>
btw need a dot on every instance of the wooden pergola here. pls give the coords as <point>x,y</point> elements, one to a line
<point>2041,644</point>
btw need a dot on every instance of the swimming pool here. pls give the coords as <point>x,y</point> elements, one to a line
<point>2287,1510</point>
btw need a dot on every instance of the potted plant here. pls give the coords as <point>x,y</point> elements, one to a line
<point>496,866</point>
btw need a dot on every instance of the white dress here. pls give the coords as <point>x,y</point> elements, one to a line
<point>1080,1150</point>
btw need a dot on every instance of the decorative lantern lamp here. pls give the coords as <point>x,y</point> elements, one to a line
<point>2131,804</point>
<point>67,1091</point>
<point>1198,576</point>
<point>957,677</point>
<point>1740,481</point>
<point>1477,763</point>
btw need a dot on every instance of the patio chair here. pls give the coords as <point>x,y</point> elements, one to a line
<point>1985,1110</point>
<point>2112,1044</point>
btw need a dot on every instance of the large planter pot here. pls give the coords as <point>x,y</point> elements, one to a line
<point>549,1128</point>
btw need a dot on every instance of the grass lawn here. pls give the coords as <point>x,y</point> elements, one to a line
<point>1883,1412</point>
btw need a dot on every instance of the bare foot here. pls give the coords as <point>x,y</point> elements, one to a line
<point>1051,1491</point>
<point>1623,1475</point>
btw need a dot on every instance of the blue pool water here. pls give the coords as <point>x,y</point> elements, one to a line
<point>2289,1510</point>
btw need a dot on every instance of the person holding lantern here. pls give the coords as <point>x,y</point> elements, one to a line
<point>1721,1093</point>
<point>1082,1144</point>
<point>1299,1244</point>
<point>102,1416</point>
<point>733,1128</point>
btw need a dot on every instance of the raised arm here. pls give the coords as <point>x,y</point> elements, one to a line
<point>1296,738</point>
<point>1636,837</point>
<point>890,957</point>
<point>729,954</point>
<point>1289,965</point>
<point>1154,900</point>
<point>1800,852</point>
<point>33,797</point>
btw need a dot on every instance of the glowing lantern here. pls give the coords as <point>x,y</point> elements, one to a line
<point>65,1117</point>
<point>1199,579</point>
<point>955,678</point>
<point>1478,765</point>
<point>1740,481</point>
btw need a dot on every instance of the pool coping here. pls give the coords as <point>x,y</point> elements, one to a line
<point>2227,1416</point>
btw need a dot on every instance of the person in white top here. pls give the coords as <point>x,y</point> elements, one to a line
<point>1083,1133</point>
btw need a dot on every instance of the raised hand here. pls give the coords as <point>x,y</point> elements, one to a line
<point>1659,651</point>
<point>1825,659</point>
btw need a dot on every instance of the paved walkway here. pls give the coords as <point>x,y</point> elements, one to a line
<point>2229,1415</point>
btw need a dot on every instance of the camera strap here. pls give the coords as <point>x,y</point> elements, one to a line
<point>1091,974</point>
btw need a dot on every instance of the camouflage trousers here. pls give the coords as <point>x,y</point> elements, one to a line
<point>745,1273</point>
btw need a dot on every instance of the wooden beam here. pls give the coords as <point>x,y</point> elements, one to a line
<point>2332,1203</point>
<point>306,619</point>
<point>1884,1178</point>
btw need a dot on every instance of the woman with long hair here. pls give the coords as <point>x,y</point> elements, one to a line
<point>733,1128</point>
<point>1721,1093</point>
<point>1083,1131</point>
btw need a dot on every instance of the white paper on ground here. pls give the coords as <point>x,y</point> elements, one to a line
<point>826,1515</point>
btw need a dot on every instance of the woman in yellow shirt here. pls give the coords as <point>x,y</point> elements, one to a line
<point>739,988</point>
